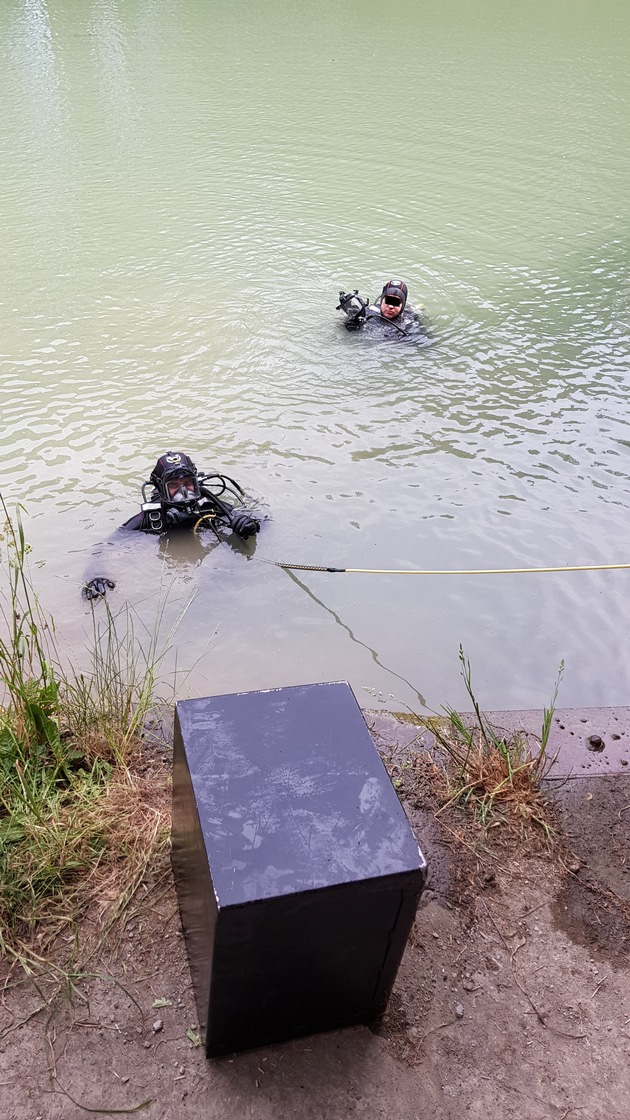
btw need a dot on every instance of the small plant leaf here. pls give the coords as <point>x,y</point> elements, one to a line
<point>162,1002</point>
<point>193,1036</point>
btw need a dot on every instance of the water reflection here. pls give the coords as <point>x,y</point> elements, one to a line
<point>185,548</point>
<point>37,69</point>
<point>109,51</point>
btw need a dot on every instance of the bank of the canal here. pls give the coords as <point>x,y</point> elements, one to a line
<point>513,998</point>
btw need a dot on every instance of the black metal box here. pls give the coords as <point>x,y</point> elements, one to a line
<point>297,873</point>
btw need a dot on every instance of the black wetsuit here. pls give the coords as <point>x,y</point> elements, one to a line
<point>181,498</point>
<point>154,517</point>
<point>406,325</point>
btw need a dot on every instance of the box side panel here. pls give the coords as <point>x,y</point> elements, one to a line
<point>296,965</point>
<point>193,882</point>
<point>399,935</point>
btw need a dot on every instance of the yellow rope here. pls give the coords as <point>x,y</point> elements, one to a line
<point>455,571</point>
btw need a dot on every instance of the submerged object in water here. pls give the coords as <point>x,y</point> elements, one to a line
<point>98,587</point>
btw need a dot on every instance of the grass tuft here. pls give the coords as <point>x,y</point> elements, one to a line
<point>497,775</point>
<point>84,808</point>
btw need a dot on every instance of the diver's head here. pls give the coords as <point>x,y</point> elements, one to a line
<point>393,299</point>
<point>175,479</point>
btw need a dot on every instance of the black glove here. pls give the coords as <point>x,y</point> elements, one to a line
<point>176,516</point>
<point>98,587</point>
<point>243,523</point>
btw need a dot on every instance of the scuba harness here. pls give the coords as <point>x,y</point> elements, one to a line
<point>182,497</point>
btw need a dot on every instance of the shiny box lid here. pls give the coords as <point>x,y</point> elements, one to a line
<point>291,793</point>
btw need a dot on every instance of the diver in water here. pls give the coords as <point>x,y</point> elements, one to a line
<point>389,315</point>
<point>182,498</point>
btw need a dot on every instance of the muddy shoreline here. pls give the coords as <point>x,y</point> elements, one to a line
<point>513,997</point>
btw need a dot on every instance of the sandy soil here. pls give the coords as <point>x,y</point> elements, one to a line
<point>512,1001</point>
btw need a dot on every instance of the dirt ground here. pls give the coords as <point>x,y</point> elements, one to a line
<point>512,1001</point>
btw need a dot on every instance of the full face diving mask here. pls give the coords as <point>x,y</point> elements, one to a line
<point>353,306</point>
<point>175,479</point>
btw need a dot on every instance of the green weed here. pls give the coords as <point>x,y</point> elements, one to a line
<point>498,775</point>
<point>81,818</point>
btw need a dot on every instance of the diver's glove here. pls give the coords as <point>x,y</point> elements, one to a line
<point>242,522</point>
<point>98,587</point>
<point>177,516</point>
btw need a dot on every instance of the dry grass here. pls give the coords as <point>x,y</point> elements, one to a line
<point>90,859</point>
<point>136,816</point>
<point>84,798</point>
<point>86,856</point>
<point>497,776</point>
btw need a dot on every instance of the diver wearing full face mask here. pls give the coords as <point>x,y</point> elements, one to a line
<point>389,315</point>
<point>181,498</point>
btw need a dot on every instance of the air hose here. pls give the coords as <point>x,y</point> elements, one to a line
<point>239,520</point>
<point>204,517</point>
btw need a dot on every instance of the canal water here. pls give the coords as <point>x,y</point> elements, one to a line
<point>186,186</point>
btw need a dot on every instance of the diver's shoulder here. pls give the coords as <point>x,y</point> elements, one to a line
<point>415,311</point>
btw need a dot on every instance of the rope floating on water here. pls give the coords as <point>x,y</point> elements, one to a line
<point>449,571</point>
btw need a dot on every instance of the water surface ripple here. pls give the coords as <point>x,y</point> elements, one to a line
<point>185,191</point>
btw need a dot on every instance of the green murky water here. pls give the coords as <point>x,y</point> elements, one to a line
<point>187,185</point>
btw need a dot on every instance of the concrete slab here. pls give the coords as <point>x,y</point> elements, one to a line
<point>585,742</point>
